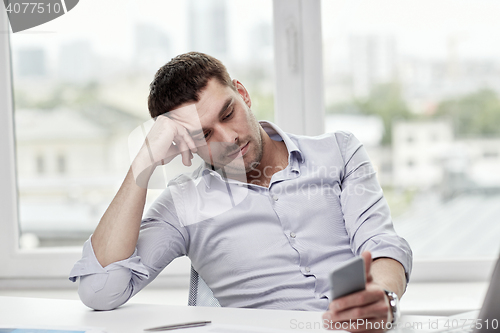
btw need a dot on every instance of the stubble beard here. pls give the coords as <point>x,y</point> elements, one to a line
<point>238,167</point>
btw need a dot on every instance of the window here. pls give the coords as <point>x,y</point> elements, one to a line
<point>426,70</point>
<point>91,87</point>
<point>80,87</point>
<point>377,68</point>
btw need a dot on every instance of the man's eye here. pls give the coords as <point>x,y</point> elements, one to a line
<point>206,135</point>
<point>227,116</point>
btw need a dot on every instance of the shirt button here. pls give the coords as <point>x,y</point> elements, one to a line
<point>308,269</point>
<point>292,234</point>
<point>275,197</point>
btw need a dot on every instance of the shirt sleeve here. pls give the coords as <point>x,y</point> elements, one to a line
<point>105,288</point>
<point>366,212</point>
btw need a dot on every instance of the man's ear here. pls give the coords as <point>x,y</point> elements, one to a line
<point>243,92</point>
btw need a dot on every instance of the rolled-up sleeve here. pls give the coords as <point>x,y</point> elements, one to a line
<point>366,212</point>
<point>105,288</point>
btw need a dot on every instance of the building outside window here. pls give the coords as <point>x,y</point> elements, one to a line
<point>425,77</point>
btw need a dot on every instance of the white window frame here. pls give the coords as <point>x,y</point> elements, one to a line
<point>299,108</point>
<point>298,58</point>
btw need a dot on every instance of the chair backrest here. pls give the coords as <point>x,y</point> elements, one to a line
<point>200,293</point>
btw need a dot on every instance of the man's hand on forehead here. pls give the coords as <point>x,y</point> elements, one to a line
<point>179,132</point>
<point>169,137</point>
<point>188,117</point>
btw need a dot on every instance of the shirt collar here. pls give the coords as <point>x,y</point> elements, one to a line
<point>278,134</point>
<point>275,133</point>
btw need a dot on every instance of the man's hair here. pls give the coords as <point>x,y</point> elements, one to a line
<point>181,80</point>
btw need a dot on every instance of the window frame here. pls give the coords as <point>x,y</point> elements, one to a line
<point>298,59</point>
<point>299,108</point>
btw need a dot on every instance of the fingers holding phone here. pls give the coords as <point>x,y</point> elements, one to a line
<point>348,278</point>
<point>359,305</point>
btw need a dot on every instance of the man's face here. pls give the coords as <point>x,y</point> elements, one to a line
<point>225,131</point>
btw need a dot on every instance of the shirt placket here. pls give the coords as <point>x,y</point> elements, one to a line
<point>278,199</point>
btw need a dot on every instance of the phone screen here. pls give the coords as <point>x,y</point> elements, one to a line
<point>348,278</point>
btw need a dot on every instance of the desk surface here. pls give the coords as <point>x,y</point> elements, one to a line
<point>136,317</point>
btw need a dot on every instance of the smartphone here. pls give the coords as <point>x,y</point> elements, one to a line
<point>348,278</point>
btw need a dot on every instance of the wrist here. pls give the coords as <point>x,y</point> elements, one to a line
<point>393,305</point>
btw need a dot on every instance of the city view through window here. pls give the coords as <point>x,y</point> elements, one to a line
<point>81,87</point>
<point>418,82</point>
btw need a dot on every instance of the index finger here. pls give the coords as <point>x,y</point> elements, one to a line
<point>185,137</point>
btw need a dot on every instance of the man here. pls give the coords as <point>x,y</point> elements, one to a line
<point>264,220</point>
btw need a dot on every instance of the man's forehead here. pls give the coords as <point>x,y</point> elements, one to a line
<point>187,115</point>
<point>212,98</point>
<point>186,110</point>
<point>194,114</point>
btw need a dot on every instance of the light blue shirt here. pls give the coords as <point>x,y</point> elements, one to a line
<point>259,247</point>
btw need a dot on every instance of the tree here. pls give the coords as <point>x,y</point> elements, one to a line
<point>384,101</point>
<point>473,115</point>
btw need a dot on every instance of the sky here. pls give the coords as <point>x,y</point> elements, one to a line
<point>109,25</point>
<point>421,26</point>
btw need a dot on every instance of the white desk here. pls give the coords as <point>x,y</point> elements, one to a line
<point>136,317</point>
<point>132,318</point>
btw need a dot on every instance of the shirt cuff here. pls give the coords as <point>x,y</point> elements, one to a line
<point>89,264</point>
<point>382,248</point>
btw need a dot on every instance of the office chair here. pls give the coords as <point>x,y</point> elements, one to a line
<point>200,293</point>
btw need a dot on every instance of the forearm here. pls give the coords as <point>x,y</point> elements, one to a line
<point>389,274</point>
<point>115,237</point>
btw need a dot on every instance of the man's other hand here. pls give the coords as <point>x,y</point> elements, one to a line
<point>364,311</point>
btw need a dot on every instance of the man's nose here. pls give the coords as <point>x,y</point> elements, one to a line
<point>227,135</point>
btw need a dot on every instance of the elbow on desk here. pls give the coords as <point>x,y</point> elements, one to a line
<point>97,297</point>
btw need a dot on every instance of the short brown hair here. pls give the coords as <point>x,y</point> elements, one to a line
<point>181,80</point>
